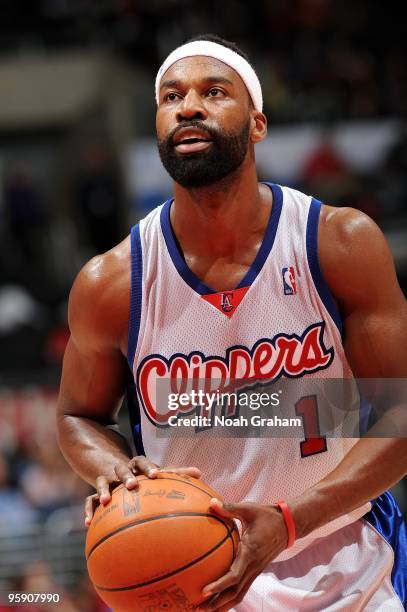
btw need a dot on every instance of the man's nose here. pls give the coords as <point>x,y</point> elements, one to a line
<point>191,107</point>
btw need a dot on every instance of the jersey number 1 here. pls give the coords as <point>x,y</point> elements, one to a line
<point>307,408</point>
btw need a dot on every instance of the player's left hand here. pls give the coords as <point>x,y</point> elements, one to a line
<point>264,537</point>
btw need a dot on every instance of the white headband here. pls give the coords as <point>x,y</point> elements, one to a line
<point>219,52</point>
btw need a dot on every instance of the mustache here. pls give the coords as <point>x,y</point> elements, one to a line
<point>194,123</point>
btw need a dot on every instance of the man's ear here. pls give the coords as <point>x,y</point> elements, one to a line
<point>258,127</point>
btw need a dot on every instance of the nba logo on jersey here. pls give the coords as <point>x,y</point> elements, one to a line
<point>226,302</point>
<point>289,285</point>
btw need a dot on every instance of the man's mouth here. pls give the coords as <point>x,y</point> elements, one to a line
<point>189,140</point>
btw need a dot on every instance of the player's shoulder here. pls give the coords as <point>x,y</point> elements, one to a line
<point>346,224</point>
<point>103,273</point>
<point>100,295</point>
<point>353,251</point>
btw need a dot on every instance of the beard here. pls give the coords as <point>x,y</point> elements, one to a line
<point>225,154</point>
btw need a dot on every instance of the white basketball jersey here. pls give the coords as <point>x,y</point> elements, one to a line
<point>280,322</point>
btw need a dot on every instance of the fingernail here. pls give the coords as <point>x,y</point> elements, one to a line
<point>87,520</point>
<point>207,594</point>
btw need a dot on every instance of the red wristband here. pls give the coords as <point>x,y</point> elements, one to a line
<point>289,522</point>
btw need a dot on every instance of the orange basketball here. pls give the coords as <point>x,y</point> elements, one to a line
<point>155,548</point>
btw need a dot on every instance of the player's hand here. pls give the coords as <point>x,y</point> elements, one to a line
<point>264,537</point>
<point>126,473</point>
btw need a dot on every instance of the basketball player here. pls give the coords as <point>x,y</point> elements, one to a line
<point>224,264</point>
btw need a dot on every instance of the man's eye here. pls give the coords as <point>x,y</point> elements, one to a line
<point>214,92</point>
<point>171,97</point>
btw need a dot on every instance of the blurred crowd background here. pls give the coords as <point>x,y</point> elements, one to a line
<point>78,166</point>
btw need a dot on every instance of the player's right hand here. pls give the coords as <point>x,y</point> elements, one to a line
<point>127,473</point>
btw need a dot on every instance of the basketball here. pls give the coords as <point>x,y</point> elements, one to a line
<point>156,547</point>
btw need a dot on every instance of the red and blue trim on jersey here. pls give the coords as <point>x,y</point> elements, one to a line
<point>135,293</point>
<point>314,264</point>
<point>190,278</point>
<point>136,289</point>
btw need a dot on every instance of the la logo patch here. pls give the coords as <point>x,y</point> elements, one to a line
<point>289,284</point>
<point>226,301</point>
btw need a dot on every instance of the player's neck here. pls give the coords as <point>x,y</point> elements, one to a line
<point>218,217</point>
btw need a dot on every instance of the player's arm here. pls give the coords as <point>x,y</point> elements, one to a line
<point>359,269</point>
<point>93,376</point>
<point>93,381</point>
